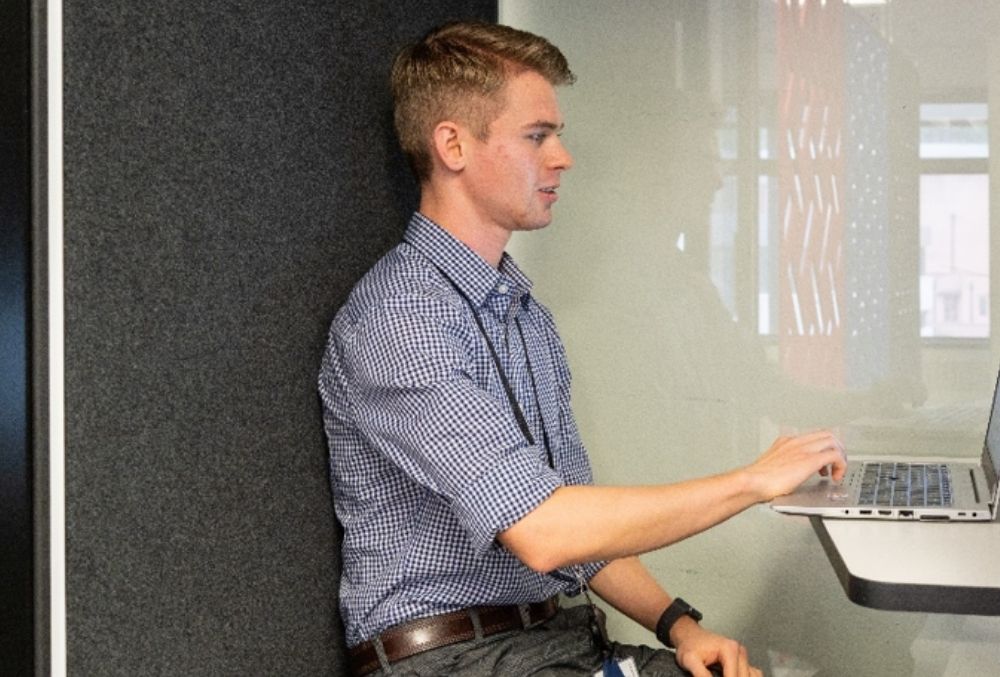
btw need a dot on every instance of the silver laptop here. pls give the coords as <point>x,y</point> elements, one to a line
<point>908,488</point>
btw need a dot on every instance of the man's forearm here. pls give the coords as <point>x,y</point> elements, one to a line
<point>628,586</point>
<point>586,523</point>
<point>579,524</point>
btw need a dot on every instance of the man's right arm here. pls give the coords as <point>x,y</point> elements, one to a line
<point>579,524</point>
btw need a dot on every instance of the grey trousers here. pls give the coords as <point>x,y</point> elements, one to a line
<point>560,646</point>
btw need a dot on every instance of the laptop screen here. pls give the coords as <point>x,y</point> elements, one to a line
<point>991,447</point>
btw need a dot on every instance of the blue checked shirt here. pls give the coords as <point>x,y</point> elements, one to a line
<point>427,461</point>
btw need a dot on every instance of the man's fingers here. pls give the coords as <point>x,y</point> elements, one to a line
<point>733,657</point>
<point>819,441</point>
<point>829,450</point>
<point>834,461</point>
<point>696,668</point>
<point>838,466</point>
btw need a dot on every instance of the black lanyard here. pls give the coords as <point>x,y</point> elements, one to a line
<point>518,412</point>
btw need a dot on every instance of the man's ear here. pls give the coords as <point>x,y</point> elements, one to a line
<point>449,145</point>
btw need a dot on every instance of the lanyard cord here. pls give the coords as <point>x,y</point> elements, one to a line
<point>518,412</point>
<point>522,422</point>
<point>534,389</point>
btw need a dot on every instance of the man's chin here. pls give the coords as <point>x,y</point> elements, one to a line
<point>537,224</point>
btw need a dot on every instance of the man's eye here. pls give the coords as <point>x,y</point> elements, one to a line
<point>538,137</point>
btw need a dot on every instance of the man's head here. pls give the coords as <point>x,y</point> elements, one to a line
<point>458,72</point>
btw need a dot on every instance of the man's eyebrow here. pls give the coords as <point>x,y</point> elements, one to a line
<point>545,124</point>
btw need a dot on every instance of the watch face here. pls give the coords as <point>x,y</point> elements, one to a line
<point>689,610</point>
<point>683,608</point>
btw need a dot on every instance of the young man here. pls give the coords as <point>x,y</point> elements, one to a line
<point>458,475</point>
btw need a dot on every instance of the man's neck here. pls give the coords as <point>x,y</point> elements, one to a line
<point>465,225</point>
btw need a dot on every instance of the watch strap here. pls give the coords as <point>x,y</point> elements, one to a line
<point>671,615</point>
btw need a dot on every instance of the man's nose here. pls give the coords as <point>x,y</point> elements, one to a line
<point>561,158</point>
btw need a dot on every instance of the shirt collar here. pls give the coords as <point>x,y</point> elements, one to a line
<point>467,270</point>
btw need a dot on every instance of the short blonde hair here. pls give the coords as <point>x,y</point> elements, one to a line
<point>458,72</point>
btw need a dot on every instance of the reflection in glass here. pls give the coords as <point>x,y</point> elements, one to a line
<point>723,232</point>
<point>954,255</point>
<point>767,255</point>
<point>954,130</point>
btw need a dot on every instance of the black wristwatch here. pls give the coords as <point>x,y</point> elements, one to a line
<point>673,612</point>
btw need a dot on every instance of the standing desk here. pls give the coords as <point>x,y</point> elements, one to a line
<point>949,568</point>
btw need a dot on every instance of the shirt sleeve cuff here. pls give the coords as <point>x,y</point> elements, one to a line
<point>500,497</point>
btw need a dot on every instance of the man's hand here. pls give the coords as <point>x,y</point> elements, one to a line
<point>792,460</point>
<point>698,648</point>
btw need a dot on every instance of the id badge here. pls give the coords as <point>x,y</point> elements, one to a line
<point>622,667</point>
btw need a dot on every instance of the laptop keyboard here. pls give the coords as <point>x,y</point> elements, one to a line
<point>906,484</point>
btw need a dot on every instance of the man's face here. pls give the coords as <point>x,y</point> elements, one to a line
<point>513,175</point>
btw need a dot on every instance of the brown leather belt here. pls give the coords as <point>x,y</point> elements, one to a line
<point>424,634</point>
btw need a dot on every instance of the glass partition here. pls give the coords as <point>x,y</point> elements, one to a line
<point>779,219</point>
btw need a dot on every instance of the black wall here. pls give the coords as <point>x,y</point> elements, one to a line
<point>229,173</point>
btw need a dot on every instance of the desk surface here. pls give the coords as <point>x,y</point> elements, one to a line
<point>916,566</point>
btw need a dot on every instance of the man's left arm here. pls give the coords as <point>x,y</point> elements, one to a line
<point>628,586</point>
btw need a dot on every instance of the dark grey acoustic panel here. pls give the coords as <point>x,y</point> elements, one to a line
<point>230,172</point>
